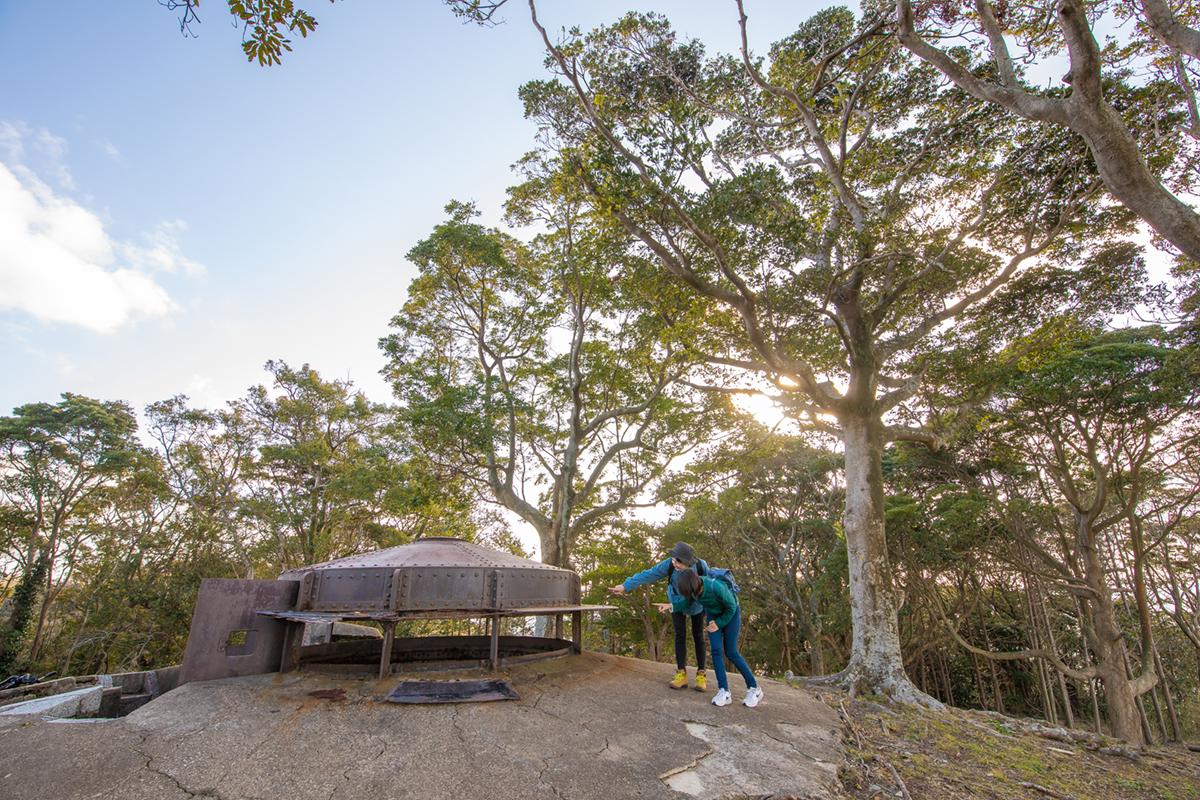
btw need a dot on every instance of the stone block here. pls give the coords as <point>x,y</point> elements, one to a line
<point>78,703</point>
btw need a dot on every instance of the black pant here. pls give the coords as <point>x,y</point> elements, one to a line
<point>677,618</point>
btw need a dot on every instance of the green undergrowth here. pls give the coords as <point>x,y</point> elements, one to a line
<point>963,754</point>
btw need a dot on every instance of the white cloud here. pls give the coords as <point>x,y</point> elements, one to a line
<point>161,251</point>
<point>57,262</point>
<point>12,147</point>
<point>111,150</point>
<point>44,146</point>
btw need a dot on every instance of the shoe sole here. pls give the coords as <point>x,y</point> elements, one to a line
<point>673,686</point>
<point>700,688</point>
<point>722,705</point>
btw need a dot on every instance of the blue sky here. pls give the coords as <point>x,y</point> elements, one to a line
<point>171,216</point>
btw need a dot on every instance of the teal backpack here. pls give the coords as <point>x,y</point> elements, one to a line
<point>725,576</point>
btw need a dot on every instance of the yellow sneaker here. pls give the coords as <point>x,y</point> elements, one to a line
<point>680,680</point>
<point>701,682</point>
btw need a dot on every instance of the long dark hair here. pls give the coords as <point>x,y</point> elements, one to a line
<point>687,583</point>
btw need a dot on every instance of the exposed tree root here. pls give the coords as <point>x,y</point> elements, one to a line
<point>855,682</point>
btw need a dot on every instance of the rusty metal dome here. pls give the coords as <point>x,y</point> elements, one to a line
<point>434,575</point>
<point>241,627</point>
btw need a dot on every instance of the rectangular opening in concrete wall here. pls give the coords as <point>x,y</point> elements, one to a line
<point>239,642</point>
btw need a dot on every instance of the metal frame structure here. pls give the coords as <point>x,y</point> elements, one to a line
<point>432,578</point>
<point>290,657</point>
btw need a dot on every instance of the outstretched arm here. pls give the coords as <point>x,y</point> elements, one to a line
<point>658,572</point>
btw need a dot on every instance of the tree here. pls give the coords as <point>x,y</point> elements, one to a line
<point>128,599</point>
<point>845,218</point>
<point>538,374</point>
<point>328,480</point>
<point>1132,133</point>
<point>1093,417</point>
<point>265,25</point>
<point>207,459</point>
<point>24,601</point>
<point>766,505</point>
<point>54,460</point>
<point>608,557</point>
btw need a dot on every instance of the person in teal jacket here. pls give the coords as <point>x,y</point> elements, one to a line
<point>724,624</point>
<point>682,556</point>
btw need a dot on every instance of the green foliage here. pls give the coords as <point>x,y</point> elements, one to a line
<point>547,375</point>
<point>636,627</point>
<point>265,25</point>
<point>300,471</point>
<point>21,607</point>
<point>766,506</point>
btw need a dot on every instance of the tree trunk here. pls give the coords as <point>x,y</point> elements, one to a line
<point>944,673</point>
<point>816,654</point>
<point>1043,681</point>
<point>1110,642</point>
<point>1172,714</point>
<point>35,649</point>
<point>787,643</point>
<point>1126,175</point>
<point>554,548</point>
<point>997,697</point>
<point>876,664</point>
<point>978,675</point>
<point>1087,659</point>
<point>1053,645</point>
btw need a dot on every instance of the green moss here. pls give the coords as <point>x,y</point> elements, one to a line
<point>954,754</point>
<point>1031,765</point>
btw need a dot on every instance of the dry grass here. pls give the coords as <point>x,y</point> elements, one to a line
<point>900,752</point>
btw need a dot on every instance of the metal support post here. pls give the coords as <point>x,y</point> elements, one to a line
<point>293,635</point>
<point>494,652</point>
<point>385,659</point>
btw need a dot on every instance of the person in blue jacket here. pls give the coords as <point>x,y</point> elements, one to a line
<point>681,557</point>
<point>724,623</point>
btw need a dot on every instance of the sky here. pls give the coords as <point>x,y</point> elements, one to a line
<point>171,216</point>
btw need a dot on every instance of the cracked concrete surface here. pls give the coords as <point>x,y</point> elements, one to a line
<point>739,757</point>
<point>585,727</point>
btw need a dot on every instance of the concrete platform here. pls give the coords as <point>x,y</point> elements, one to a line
<point>590,726</point>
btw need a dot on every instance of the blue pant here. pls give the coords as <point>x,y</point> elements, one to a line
<point>724,645</point>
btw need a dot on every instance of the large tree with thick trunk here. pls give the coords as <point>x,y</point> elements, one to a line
<point>846,215</point>
<point>1134,133</point>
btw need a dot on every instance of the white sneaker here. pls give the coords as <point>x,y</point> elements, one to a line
<point>722,698</point>
<point>754,695</point>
